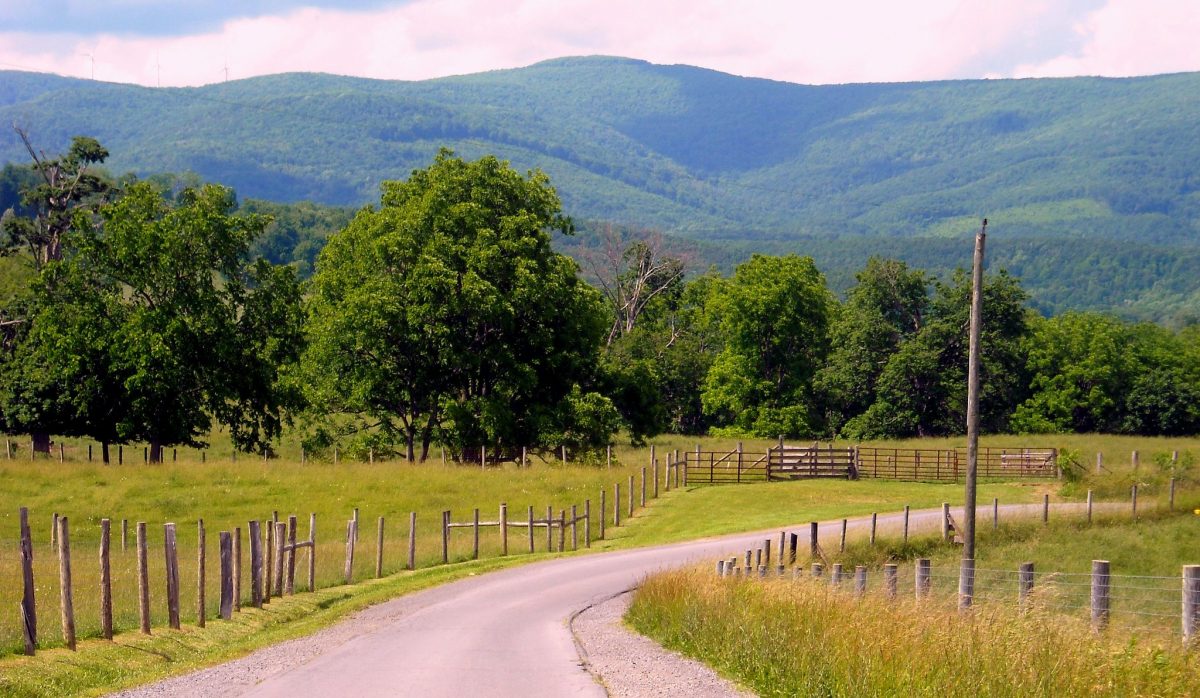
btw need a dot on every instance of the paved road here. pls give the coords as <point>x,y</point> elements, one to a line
<point>504,633</point>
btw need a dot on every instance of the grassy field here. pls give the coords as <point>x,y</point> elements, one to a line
<point>228,493</point>
<point>783,638</point>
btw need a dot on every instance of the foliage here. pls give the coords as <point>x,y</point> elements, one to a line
<point>775,321</point>
<point>444,312</point>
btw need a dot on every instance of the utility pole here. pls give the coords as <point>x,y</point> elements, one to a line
<point>973,395</point>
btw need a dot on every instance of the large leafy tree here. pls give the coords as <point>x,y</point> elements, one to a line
<point>883,311</point>
<point>152,325</point>
<point>922,390</point>
<point>444,313</point>
<point>775,321</point>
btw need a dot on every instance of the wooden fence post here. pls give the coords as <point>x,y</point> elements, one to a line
<point>529,528</point>
<point>226,554</point>
<point>1133,500</point>
<point>54,532</point>
<point>835,577</point>
<point>874,521</point>
<point>843,544</point>
<point>783,547</point>
<point>445,537</point>
<point>124,535</point>
<point>412,540</point>
<point>923,579</point>
<point>549,528</point>
<point>564,454</point>
<point>643,504</point>
<point>236,553</point>
<point>906,512</point>
<point>1171,495</point>
<point>290,583</point>
<point>966,583</point>
<point>793,542</point>
<point>379,550</point>
<point>562,530</point>
<point>1024,583</point>
<point>106,629</point>
<point>608,456</point>
<point>995,513</point>
<point>654,473</point>
<point>269,562</point>
<point>603,511</point>
<point>200,609</point>
<point>475,530</point>
<point>812,540</point>
<point>256,564</point>
<point>616,504</point>
<point>817,569</point>
<point>1089,507</point>
<point>1045,508</point>
<point>171,558</point>
<point>587,523</point>
<point>503,528</point>
<point>28,603</point>
<point>349,566</point>
<point>1191,602</point>
<point>860,580</point>
<point>889,580</point>
<point>280,570</point>
<point>630,495</point>
<point>64,581</point>
<point>945,521</point>
<point>766,552</point>
<point>575,527</point>
<point>1101,593</point>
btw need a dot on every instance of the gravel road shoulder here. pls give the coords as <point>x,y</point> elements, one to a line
<point>630,665</point>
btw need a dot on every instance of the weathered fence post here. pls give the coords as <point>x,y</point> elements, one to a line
<point>874,520</point>
<point>995,513</point>
<point>643,504</point>
<point>813,546</point>
<point>379,549</point>
<point>349,566</point>
<point>817,569</point>
<point>172,573</point>
<point>54,531</point>
<point>124,535</point>
<point>503,528</point>
<point>312,552</point>
<point>236,553</point>
<point>608,456</point>
<point>445,536</point>
<point>654,472</point>
<point>412,540</point>
<point>616,504</point>
<point>945,521</point>
<point>256,564</point>
<point>550,527</point>
<point>28,603</point>
<point>966,583</point>
<point>143,579</point>
<point>631,496</point>
<point>530,520</point>
<point>923,579</point>
<point>766,552</point>
<point>575,527</point>
<point>836,577</point>
<point>889,580</point>
<point>1171,494</point>
<point>106,629</point>
<point>603,512</point>
<point>475,531</point>
<point>227,594</point>
<point>1045,508</point>
<point>860,580</point>
<point>783,547</point>
<point>1101,593</point>
<point>1024,583</point>
<point>587,523</point>
<point>842,547</point>
<point>280,542</point>
<point>793,543</point>
<point>64,581</point>
<point>1133,500</point>
<point>1089,507</point>
<point>269,563</point>
<point>200,609</point>
<point>290,583</point>
<point>1191,602</point>
<point>562,530</point>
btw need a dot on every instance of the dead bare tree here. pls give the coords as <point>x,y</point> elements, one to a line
<point>631,275</point>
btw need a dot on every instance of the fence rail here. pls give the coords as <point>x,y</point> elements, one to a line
<point>790,462</point>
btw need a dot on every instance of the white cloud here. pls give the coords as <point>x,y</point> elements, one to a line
<point>797,40</point>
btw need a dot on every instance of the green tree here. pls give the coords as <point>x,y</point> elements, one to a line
<point>922,391</point>
<point>152,325</point>
<point>884,310</point>
<point>445,313</point>
<point>775,321</point>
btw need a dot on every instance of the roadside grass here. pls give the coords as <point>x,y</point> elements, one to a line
<point>785,638</point>
<point>228,493</point>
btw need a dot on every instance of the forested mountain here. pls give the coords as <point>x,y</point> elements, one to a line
<point>735,164</point>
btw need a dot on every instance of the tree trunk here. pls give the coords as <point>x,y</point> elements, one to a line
<point>41,442</point>
<point>156,451</point>
<point>104,451</point>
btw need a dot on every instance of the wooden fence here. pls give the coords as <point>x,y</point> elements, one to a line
<point>791,462</point>
<point>275,551</point>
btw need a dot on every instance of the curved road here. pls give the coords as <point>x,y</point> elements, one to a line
<point>504,633</point>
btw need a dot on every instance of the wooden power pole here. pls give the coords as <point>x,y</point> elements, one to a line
<point>973,395</point>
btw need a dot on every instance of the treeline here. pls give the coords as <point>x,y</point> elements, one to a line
<point>156,310</point>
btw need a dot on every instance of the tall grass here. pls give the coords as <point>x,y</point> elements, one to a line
<point>787,638</point>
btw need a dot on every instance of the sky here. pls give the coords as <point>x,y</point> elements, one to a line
<point>195,42</point>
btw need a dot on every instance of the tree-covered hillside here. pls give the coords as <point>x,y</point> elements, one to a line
<point>736,165</point>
